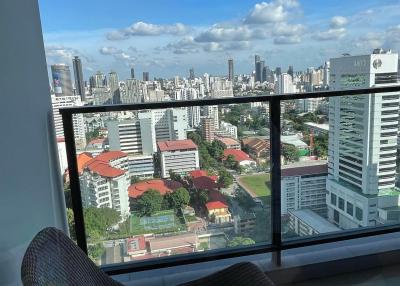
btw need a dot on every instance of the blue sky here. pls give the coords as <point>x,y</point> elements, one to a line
<point>166,38</point>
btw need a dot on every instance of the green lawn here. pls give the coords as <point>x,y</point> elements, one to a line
<point>258,184</point>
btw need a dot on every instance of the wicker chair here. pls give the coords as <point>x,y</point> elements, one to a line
<point>53,259</point>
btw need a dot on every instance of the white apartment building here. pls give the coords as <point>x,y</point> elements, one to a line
<point>221,88</point>
<point>141,166</point>
<point>284,84</point>
<point>193,112</point>
<point>180,156</point>
<point>362,141</point>
<point>212,112</point>
<point>104,182</point>
<point>308,104</point>
<point>227,130</point>
<point>306,222</point>
<point>78,122</point>
<point>303,186</point>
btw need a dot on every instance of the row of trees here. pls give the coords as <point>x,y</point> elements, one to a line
<point>152,201</point>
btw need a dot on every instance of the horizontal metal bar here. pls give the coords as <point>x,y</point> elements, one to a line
<point>219,101</point>
<point>185,259</point>
<point>340,236</point>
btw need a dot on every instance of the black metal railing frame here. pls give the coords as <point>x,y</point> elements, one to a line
<point>277,245</point>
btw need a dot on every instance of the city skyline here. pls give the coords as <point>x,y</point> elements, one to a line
<point>170,44</point>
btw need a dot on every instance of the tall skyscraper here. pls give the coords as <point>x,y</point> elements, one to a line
<point>113,83</point>
<point>145,76</point>
<point>363,142</point>
<point>290,71</point>
<point>79,83</point>
<point>278,71</point>
<point>61,80</point>
<point>264,74</point>
<point>191,74</point>
<point>230,70</point>
<point>326,74</point>
<point>259,70</point>
<point>100,79</point>
<point>284,84</point>
<point>132,72</point>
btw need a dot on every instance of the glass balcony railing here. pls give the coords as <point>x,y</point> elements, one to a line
<point>177,182</point>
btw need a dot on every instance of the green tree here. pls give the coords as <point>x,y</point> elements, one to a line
<point>92,135</point>
<point>290,153</point>
<point>230,162</point>
<point>95,251</point>
<point>71,223</point>
<point>134,180</point>
<point>149,203</point>
<point>67,195</point>
<point>238,241</point>
<point>99,220</point>
<point>203,196</point>
<point>225,178</point>
<point>174,176</point>
<point>216,150</point>
<point>177,199</point>
<point>204,245</point>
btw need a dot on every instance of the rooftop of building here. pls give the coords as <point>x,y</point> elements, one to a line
<point>239,155</point>
<point>302,168</point>
<point>176,241</point>
<point>136,243</point>
<point>392,191</point>
<point>315,221</point>
<point>162,186</point>
<point>323,126</point>
<point>82,159</point>
<point>216,205</point>
<point>256,143</point>
<point>176,145</point>
<point>293,140</point>
<point>228,141</point>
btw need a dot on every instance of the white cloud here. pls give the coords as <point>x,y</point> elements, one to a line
<point>219,33</point>
<point>370,41</point>
<point>186,45</point>
<point>338,22</point>
<point>60,52</point>
<point>285,29</point>
<point>147,29</point>
<point>330,34</point>
<point>287,40</point>
<point>270,12</point>
<point>109,50</point>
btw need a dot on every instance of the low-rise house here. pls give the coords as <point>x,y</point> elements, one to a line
<point>218,212</point>
<point>229,143</point>
<point>241,157</point>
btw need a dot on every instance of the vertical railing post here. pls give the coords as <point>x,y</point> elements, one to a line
<point>74,180</point>
<point>275,147</point>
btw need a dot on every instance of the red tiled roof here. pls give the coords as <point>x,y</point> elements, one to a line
<point>176,145</point>
<point>104,169</point>
<point>96,141</point>
<point>228,141</point>
<point>198,173</point>
<point>239,155</point>
<point>60,139</point>
<point>101,166</point>
<point>82,159</point>
<point>216,205</point>
<point>214,195</point>
<point>305,170</point>
<point>162,186</point>
<point>110,155</point>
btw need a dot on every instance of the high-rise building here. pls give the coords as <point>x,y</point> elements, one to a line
<point>230,70</point>
<point>363,141</point>
<point>278,71</point>
<point>146,76</point>
<point>326,74</point>
<point>284,84</point>
<point>78,121</point>
<point>113,84</point>
<point>290,71</point>
<point>133,92</point>
<point>62,84</point>
<point>193,112</point>
<point>207,129</point>
<point>212,112</point>
<point>132,72</point>
<point>78,74</point>
<point>259,70</point>
<point>191,74</point>
<point>99,80</point>
<point>264,74</point>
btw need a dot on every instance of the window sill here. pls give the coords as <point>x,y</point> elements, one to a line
<point>297,264</point>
